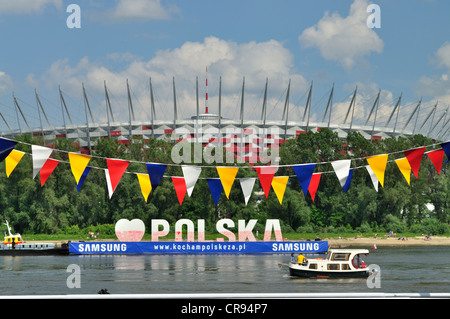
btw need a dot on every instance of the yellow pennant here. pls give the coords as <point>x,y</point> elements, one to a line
<point>279,186</point>
<point>378,165</point>
<point>78,163</point>
<point>405,168</point>
<point>12,160</point>
<point>146,186</point>
<point>227,176</point>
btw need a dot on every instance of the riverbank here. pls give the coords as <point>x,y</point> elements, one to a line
<point>388,242</point>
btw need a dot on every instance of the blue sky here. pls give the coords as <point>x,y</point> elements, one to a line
<point>323,41</point>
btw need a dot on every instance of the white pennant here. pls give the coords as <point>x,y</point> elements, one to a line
<point>341,168</point>
<point>247,187</point>
<point>191,174</point>
<point>108,182</point>
<point>40,155</point>
<point>373,177</point>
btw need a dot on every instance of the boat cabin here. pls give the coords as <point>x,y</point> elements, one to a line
<point>337,263</point>
<point>17,239</point>
<point>346,259</point>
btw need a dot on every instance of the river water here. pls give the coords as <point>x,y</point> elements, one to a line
<point>403,270</point>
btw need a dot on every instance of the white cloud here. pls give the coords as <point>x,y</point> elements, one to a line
<point>255,61</point>
<point>141,10</point>
<point>443,55</point>
<point>344,39</point>
<point>5,83</point>
<point>437,85</point>
<point>27,6</point>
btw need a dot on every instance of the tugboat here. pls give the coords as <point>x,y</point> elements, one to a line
<point>339,263</point>
<point>13,245</point>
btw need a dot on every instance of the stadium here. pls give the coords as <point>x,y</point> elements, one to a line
<point>246,137</point>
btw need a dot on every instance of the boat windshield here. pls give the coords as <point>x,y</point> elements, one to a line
<point>358,262</point>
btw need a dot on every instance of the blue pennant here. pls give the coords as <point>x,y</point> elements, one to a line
<point>349,180</point>
<point>156,172</point>
<point>304,173</point>
<point>215,186</point>
<point>6,146</point>
<point>83,177</point>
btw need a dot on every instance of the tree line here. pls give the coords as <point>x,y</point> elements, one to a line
<point>422,207</point>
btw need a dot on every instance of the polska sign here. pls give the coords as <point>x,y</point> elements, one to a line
<point>245,230</point>
<point>131,232</point>
<point>134,230</point>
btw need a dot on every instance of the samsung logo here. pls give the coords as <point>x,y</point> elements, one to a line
<point>295,246</point>
<point>102,248</point>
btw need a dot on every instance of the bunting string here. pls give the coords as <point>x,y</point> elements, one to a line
<point>309,180</point>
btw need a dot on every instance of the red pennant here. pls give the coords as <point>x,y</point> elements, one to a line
<point>47,170</point>
<point>180,187</point>
<point>436,156</point>
<point>116,169</point>
<point>265,175</point>
<point>414,157</point>
<point>314,184</point>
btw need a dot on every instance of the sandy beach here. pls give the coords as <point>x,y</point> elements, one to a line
<point>390,241</point>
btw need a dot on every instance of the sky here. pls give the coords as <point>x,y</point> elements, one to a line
<point>317,43</point>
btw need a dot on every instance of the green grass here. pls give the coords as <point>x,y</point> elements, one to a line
<point>210,236</point>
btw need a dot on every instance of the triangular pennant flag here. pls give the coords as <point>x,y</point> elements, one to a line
<point>414,157</point>
<point>247,187</point>
<point>265,174</point>
<point>180,188</point>
<point>146,186</point>
<point>116,169</point>
<point>12,160</point>
<point>314,184</point>
<point>341,168</point>
<point>191,174</point>
<point>6,146</point>
<point>436,157</point>
<point>156,172</point>
<point>446,147</point>
<point>349,180</point>
<point>215,186</point>
<point>83,177</point>
<point>39,155</point>
<point>304,173</point>
<point>405,168</point>
<point>279,186</point>
<point>78,163</point>
<point>373,177</point>
<point>378,165</point>
<point>227,176</point>
<point>108,183</point>
<point>47,169</point>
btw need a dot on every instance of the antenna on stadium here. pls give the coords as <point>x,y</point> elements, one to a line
<point>206,95</point>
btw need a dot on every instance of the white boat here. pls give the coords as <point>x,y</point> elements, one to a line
<point>13,245</point>
<point>11,239</point>
<point>338,263</point>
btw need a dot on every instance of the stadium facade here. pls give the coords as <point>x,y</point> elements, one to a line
<point>246,138</point>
